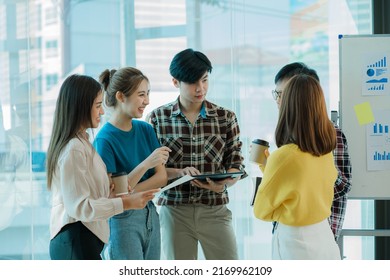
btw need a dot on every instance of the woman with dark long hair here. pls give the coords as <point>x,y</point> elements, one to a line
<point>77,176</point>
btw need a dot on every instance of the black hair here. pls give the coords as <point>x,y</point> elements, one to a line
<point>189,66</point>
<point>73,112</point>
<point>294,68</point>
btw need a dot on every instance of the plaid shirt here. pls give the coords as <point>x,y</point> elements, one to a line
<point>212,145</point>
<point>342,185</point>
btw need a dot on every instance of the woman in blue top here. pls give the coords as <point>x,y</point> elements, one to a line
<point>131,146</point>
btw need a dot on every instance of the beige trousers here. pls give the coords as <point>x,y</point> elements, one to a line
<point>184,226</point>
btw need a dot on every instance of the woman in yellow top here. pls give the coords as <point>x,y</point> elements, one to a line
<point>297,186</point>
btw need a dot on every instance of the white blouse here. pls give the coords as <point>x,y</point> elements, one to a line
<point>80,191</point>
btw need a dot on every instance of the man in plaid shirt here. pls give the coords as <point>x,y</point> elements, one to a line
<point>341,157</point>
<point>204,138</point>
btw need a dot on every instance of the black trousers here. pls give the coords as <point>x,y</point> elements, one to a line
<point>75,242</point>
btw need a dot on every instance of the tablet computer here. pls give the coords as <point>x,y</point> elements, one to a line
<point>217,176</point>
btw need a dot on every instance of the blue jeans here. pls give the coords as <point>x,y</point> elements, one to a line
<point>134,235</point>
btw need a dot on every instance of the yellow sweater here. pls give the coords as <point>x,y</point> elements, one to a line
<point>297,187</point>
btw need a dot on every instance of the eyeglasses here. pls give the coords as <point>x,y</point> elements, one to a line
<point>276,94</point>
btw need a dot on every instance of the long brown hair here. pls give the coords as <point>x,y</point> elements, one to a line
<point>73,112</point>
<point>303,118</point>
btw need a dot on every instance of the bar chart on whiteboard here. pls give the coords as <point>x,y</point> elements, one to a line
<point>365,112</point>
<point>378,141</point>
<point>376,74</point>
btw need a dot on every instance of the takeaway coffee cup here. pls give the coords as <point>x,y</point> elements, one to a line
<point>257,151</point>
<point>121,183</point>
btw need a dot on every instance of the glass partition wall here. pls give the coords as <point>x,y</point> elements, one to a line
<point>42,42</point>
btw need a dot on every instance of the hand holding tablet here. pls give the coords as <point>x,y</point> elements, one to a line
<point>202,177</point>
<point>217,176</point>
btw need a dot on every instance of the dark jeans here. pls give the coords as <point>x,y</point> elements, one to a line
<point>75,242</point>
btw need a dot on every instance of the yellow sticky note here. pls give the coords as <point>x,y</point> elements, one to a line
<point>364,113</point>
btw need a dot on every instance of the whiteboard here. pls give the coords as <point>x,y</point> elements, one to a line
<point>357,55</point>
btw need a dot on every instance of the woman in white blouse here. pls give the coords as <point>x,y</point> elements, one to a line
<point>77,176</point>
